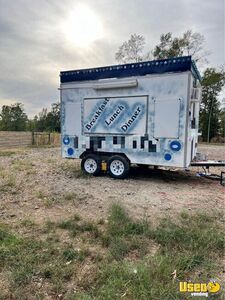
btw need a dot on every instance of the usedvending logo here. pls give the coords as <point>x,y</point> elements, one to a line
<point>199,289</point>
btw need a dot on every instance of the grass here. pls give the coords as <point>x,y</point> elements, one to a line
<point>7,153</point>
<point>49,200</point>
<point>40,195</point>
<point>122,267</point>
<point>196,234</point>
<point>120,224</point>
<point>71,254</point>
<point>22,165</point>
<point>70,196</point>
<point>76,226</point>
<point>28,223</point>
<point>26,259</point>
<point>123,234</point>
<point>8,183</point>
<point>193,242</point>
<point>48,227</point>
<point>73,197</point>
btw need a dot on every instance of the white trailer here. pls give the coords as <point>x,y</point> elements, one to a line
<point>140,113</point>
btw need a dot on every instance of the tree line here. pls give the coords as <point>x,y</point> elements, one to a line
<point>14,118</point>
<point>212,115</point>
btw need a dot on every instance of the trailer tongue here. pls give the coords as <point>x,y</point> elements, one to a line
<point>206,164</point>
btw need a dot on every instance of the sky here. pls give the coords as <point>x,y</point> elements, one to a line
<point>40,38</point>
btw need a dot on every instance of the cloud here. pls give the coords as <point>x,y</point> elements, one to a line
<point>34,48</point>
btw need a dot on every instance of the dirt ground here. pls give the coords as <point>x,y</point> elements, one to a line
<point>39,184</point>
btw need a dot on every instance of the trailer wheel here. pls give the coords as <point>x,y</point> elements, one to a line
<point>118,167</point>
<point>91,164</point>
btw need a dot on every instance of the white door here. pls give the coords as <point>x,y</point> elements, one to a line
<point>166,118</point>
<point>73,118</point>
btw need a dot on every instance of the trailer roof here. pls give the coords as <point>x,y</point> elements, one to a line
<point>176,64</point>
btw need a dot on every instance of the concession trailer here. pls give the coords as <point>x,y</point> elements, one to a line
<point>143,113</point>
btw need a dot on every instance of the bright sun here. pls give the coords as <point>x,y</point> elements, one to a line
<point>83,26</point>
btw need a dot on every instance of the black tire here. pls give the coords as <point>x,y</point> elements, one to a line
<point>91,164</point>
<point>118,167</point>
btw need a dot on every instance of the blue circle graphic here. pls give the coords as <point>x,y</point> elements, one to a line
<point>70,151</point>
<point>66,140</point>
<point>175,145</point>
<point>167,156</point>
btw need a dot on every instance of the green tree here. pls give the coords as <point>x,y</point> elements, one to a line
<point>190,43</point>
<point>47,121</point>
<point>13,118</point>
<point>212,84</point>
<point>222,120</point>
<point>41,120</point>
<point>131,50</point>
<point>32,124</point>
<point>168,47</point>
<point>53,118</point>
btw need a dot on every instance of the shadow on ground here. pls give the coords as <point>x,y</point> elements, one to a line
<point>165,175</point>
